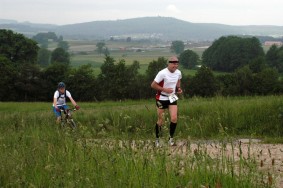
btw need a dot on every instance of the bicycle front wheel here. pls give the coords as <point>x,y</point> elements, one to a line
<point>73,123</point>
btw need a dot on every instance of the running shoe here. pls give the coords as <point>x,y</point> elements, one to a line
<point>157,144</point>
<point>171,142</point>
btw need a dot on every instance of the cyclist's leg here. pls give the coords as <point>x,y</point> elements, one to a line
<point>57,115</point>
<point>65,107</point>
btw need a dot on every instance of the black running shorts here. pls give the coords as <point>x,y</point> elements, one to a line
<point>164,104</point>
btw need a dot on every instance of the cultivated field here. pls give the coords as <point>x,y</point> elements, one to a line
<point>84,52</point>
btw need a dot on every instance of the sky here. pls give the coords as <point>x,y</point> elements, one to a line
<point>62,12</point>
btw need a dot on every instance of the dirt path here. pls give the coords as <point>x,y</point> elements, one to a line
<point>269,157</point>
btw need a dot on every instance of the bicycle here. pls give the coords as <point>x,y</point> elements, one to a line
<point>67,118</point>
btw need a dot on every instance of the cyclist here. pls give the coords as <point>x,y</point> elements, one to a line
<point>59,100</point>
<point>167,82</point>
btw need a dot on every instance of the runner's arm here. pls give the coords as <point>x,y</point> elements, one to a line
<point>178,87</point>
<point>157,87</point>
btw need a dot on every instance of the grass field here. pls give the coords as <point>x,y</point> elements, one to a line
<point>113,145</point>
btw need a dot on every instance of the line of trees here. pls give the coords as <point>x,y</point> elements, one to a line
<point>24,79</point>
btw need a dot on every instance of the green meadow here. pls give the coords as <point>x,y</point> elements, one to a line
<point>113,145</point>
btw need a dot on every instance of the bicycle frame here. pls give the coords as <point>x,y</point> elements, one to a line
<point>67,118</point>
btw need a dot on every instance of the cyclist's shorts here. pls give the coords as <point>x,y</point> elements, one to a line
<point>58,114</point>
<point>164,104</point>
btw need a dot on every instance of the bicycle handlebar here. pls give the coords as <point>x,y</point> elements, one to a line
<point>73,109</point>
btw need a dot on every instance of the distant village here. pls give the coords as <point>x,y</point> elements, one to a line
<point>270,43</point>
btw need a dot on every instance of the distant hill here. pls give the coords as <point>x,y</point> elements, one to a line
<point>164,28</point>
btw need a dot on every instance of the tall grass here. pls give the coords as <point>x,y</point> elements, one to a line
<point>113,144</point>
<point>246,116</point>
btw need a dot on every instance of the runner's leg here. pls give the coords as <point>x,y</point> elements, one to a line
<point>173,109</point>
<point>159,123</point>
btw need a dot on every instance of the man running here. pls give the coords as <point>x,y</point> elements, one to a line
<point>167,83</point>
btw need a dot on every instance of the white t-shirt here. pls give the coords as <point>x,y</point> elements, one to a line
<point>61,97</point>
<point>167,79</point>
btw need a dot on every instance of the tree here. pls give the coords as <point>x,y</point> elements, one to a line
<point>266,81</point>
<point>203,83</point>
<point>82,83</point>
<point>188,59</point>
<point>44,37</point>
<point>135,90</point>
<point>43,57</point>
<point>17,48</point>
<point>28,83</point>
<point>232,52</point>
<point>271,56</point>
<point>274,58</point>
<point>7,85</point>
<point>177,46</point>
<point>154,67</point>
<point>55,73</point>
<point>60,55</point>
<point>105,78</point>
<point>121,83</point>
<point>64,45</point>
<point>228,84</point>
<point>60,38</point>
<point>129,39</point>
<point>257,65</point>
<point>185,84</point>
<point>99,47</point>
<point>280,59</point>
<point>244,77</point>
<point>117,81</point>
<point>106,51</point>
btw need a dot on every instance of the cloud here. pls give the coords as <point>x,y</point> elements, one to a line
<point>173,8</point>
